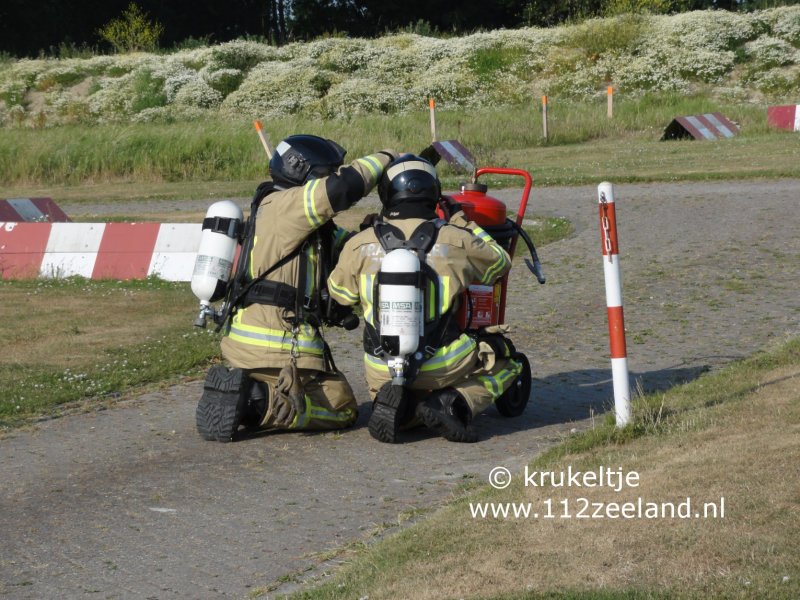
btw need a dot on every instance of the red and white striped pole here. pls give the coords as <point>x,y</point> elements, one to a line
<point>616,320</point>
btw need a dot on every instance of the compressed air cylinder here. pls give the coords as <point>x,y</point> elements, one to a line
<point>400,303</point>
<point>215,256</point>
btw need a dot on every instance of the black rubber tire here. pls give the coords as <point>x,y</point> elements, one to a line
<point>222,404</point>
<point>387,412</point>
<point>513,402</point>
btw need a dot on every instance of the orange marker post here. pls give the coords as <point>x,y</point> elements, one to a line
<point>610,102</point>
<point>263,137</point>
<point>432,104</point>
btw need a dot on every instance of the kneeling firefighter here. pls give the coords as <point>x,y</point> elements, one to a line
<point>409,270</point>
<point>283,375</point>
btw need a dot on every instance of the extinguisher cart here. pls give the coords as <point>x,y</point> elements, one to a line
<point>485,306</point>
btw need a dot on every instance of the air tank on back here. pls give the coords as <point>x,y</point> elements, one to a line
<point>215,255</point>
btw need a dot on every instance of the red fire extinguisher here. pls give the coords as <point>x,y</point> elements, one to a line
<point>484,305</point>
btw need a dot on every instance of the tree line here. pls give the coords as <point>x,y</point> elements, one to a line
<point>58,27</point>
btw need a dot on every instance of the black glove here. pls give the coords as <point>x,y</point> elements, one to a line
<point>450,207</point>
<point>341,316</point>
<point>368,221</point>
<point>431,155</point>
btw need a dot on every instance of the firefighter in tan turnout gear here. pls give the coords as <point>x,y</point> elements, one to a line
<point>283,375</point>
<point>451,375</point>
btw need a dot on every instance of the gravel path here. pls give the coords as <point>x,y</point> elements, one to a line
<point>130,503</point>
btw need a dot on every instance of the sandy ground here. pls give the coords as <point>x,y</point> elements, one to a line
<point>130,503</point>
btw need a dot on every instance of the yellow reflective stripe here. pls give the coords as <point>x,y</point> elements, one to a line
<point>302,419</point>
<point>252,261</point>
<point>375,363</point>
<point>366,297</point>
<point>342,292</point>
<point>278,339</point>
<point>445,291</point>
<point>309,205</point>
<point>339,236</point>
<point>327,415</point>
<point>431,301</point>
<point>496,384</point>
<point>372,165</point>
<point>481,233</point>
<point>497,267</point>
<point>445,357</point>
<point>316,412</point>
<point>311,273</point>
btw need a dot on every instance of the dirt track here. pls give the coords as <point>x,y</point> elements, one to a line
<point>130,503</point>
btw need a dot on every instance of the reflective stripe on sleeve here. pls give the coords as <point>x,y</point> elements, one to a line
<point>342,293</point>
<point>310,205</point>
<point>494,271</point>
<point>372,165</point>
<point>497,267</point>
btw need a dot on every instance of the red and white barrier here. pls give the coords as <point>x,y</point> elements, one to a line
<point>616,320</point>
<point>98,250</point>
<point>784,117</point>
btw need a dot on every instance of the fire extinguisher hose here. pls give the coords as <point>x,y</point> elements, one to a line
<point>503,234</point>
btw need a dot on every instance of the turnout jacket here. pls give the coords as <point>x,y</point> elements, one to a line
<point>260,335</point>
<point>463,254</point>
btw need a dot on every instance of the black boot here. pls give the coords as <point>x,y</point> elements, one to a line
<point>256,404</point>
<point>387,413</point>
<point>447,412</point>
<point>222,404</point>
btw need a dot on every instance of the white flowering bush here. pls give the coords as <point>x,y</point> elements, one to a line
<point>778,82</point>
<point>741,55</point>
<point>785,23</point>
<point>275,89</point>
<point>769,51</point>
<point>224,81</point>
<point>171,114</point>
<point>198,93</point>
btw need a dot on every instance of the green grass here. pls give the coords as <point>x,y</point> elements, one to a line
<point>70,340</point>
<point>583,146</point>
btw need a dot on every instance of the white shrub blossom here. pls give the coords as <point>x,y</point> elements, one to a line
<point>734,55</point>
<point>198,93</point>
<point>786,23</point>
<point>770,52</point>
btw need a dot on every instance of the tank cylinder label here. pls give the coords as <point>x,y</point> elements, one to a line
<point>400,318</point>
<point>212,266</point>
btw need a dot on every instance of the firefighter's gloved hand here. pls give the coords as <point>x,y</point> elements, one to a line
<point>341,316</point>
<point>392,154</point>
<point>450,207</point>
<point>368,221</point>
<point>289,397</point>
